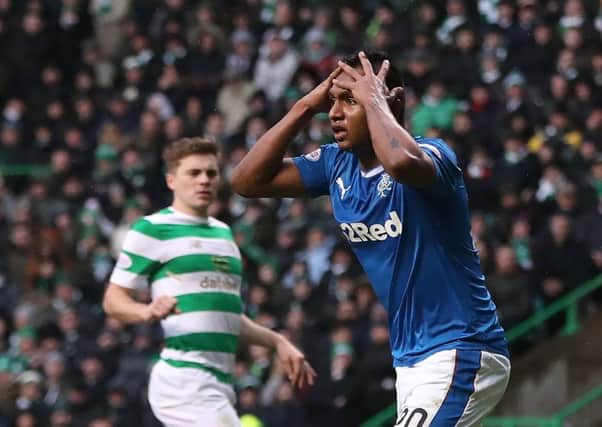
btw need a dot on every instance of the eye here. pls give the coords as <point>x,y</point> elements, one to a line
<point>351,101</point>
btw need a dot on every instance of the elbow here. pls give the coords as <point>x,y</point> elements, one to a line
<point>240,183</point>
<point>412,170</point>
<point>399,166</point>
<point>246,183</point>
<point>107,305</point>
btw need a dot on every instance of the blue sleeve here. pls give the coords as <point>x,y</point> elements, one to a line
<point>449,174</point>
<point>314,168</point>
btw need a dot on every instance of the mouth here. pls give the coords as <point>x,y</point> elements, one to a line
<point>204,194</point>
<point>340,132</point>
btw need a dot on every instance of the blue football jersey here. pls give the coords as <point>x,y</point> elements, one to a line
<point>416,248</point>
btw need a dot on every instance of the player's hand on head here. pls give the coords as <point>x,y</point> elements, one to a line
<point>318,99</point>
<point>299,371</point>
<point>365,85</point>
<point>162,307</point>
<point>396,101</point>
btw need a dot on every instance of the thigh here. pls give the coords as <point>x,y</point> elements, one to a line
<point>222,415</point>
<point>455,388</point>
<point>422,388</point>
<point>489,387</point>
<point>182,399</point>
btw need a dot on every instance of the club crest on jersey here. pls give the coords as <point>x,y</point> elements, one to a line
<point>384,185</point>
<point>220,263</point>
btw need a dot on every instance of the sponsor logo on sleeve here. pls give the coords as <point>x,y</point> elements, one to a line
<point>314,156</point>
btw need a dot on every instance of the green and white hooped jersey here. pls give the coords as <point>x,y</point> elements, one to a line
<point>196,261</point>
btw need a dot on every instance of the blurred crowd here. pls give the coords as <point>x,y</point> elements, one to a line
<point>91,90</point>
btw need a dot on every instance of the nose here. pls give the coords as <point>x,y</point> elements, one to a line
<point>336,112</point>
<point>203,178</point>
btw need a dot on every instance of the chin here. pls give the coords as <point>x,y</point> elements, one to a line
<point>344,144</point>
<point>347,145</point>
<point>199,206</point>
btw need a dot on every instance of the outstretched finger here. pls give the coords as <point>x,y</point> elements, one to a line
<point>301,380</point>
<point>366,65</point>
<point>334,74</point>
<point>310,373</point>
<point>288,368</point>
<point>349,70</point>
<point>397,91</point>
<point>384,69</point>
<point>343,84</point>
<point>396,103</point>
<point>396,94</point>
<point>297,371</point>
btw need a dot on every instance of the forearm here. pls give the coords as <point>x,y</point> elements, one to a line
<point>255,334</point>
<point>264,160</point>
<point>121,306</point>
<point>299,372</point>
<point>393,145</point>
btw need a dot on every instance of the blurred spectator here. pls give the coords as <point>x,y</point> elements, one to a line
<point>560,262</point>
<point>436,109</point>
<point>317,53</point>
<point>374,381</point>
<point>233,97</point>
<point>30,395</point>
<point>455,18</point>
<point>55,389</point>
<point>419,70</point>
<point>459,64</point>
<point>479,176</point>
<point>276,64</point>
<point>350,32</point>
<point>108,16</point>
<point>510,288</point>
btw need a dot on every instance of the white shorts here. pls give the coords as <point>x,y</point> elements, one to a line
<point>450,388</point>
<point>182,397</point>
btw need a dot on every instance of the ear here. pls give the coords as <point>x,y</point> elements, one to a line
<point>169,180</point>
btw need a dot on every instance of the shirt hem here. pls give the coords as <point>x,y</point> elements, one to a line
<point>410,360</point>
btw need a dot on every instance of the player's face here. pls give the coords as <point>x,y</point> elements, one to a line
<point>347,118</point>
<point>195,183</point>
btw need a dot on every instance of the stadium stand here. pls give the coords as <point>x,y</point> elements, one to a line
<point>91,90</point>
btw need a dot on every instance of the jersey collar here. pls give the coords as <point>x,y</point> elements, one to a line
<point>372,172</point>
<point>191,218</point>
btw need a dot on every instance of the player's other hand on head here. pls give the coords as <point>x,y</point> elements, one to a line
<point>396,101</point>
<point>298,370</point>
<point>318,99</point>
<point>365,84</point>
<point>161,307</point>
